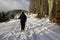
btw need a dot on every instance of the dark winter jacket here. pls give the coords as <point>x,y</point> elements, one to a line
<point>23,17</point>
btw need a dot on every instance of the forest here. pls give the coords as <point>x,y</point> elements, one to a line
<point>49,8</point>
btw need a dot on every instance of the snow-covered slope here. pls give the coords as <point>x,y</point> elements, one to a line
<point>35,30</point>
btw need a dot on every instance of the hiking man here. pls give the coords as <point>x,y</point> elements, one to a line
<point>23,19</point>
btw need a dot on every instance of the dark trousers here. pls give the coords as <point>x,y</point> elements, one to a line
<point>22,26</point>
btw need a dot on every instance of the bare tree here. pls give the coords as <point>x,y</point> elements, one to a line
<point>52,10</point>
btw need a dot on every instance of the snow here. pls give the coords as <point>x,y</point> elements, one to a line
<point>35,30</point>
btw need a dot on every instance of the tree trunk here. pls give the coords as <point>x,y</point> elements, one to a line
<point>58,12</point>
<point>50,2</point>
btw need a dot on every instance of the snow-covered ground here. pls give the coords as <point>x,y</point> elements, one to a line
<point>35,30</point>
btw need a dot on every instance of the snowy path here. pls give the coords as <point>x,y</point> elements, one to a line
<point>35,30</point>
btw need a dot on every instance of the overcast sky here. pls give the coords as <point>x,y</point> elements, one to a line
<point>13,4</point>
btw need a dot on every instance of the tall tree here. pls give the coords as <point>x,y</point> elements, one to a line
<point>52,9</point>
<point>57,11</point>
